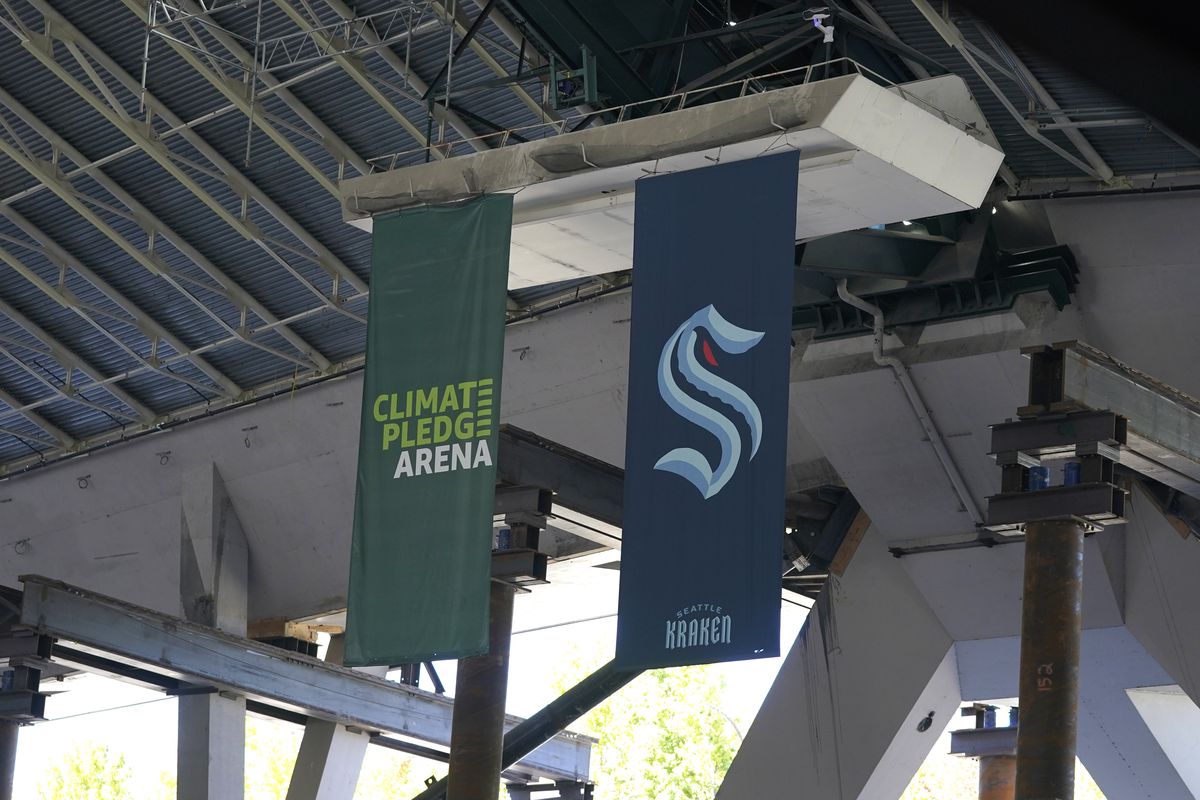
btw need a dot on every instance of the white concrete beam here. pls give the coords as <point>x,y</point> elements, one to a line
<point>1162,594</point>
<point>211,754</point>
<point>214,555</point>
<point>1175,722</point>
<point>1118,749</point>
<point>331,755</point>
<point>841,720</point>
<point>213,588</point>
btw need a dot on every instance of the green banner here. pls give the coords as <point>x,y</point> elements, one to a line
<point>420,560</point>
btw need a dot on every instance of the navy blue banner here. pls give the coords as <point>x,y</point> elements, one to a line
<point>706,438</point>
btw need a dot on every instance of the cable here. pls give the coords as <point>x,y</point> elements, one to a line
<point>564,624</point>
<point>114,708</point>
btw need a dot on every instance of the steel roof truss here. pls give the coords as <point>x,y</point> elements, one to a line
<point>402,68</point>
<point>68,361</point>
<point>139,319</point>
<point>235,91</point>
<point>61,438</point>
<point>145,256</point>
<point>142,133</point>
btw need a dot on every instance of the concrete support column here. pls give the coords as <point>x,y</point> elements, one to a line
<point>213,569</point>
<point>8,758</point>
<point>1051,626</point>
<point>868,686</point>
<point>210,756</point>
<point>331,755</point>
<point>477,733</point>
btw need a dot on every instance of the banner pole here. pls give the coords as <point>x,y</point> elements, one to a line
<point>477,728</point>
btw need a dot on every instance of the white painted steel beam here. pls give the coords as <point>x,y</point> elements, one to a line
<point>356,69</point>
<point>954,38</point>
<point>155,227</point>
<point>236,94</point>
<point>461,24</point>
<point>144,256</point>
<point>60,30</point>
<point>411,78</point>
<point>68,361</point>
<point>60,437</point>
<point>199,654</point>
<point>134,315</point>
<point>1043,96</point>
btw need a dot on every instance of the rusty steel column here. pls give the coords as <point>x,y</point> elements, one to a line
<point>477,730</point>
<point>1051,620</point>
<point>997,777</point>
<point>8,757</point>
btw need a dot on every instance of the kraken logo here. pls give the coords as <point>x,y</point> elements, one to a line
<point>685,461</point>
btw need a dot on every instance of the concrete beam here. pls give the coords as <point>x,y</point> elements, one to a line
<point>1162,595</point>
<point>1115,745</point>
<point>213,566</point>
<point>1174,720</point>
<point>841,720</point>
<point>214,555</point>
<point>331,755</point>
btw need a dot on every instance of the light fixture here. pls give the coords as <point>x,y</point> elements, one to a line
<point>994,209</point>
<point>906,222</point>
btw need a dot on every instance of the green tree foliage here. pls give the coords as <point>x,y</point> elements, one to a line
<point>91,771</point>
<point>662,737</point>
<point>947,777</point>
<point>271,749</point>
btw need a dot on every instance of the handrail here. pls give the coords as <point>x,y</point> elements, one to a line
<point>679,100</point>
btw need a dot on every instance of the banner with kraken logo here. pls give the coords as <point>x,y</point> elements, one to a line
<point>706,438</point>
<point>420,559</point>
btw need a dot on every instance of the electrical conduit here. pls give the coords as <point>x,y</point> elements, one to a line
<point>914,400</point>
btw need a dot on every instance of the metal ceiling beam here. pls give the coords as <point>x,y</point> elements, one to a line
<point>136,316</point>
<point>1043,96</point>
<point>151,261</point>
<point>128,150</point>
<point>875,18</point>
<point>64,390</point>
<point>402,68</point>
<point>143,133</point>
<point>918,70</point>
<point>753,60</point>
<point>61,437</point>
<point>234,92</point>
<point>154,227</point>
<point>206,407</point>
<point>68,360</point>
<point>461,24</point>
<point>954,38</point>
<point>354,68</point>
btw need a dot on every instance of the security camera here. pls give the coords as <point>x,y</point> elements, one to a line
<point>818,17</point>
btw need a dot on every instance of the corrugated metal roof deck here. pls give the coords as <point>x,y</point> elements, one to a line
<point>105,335</point>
